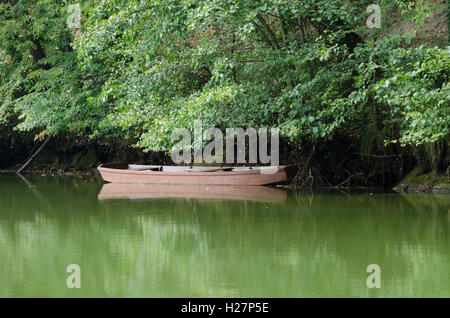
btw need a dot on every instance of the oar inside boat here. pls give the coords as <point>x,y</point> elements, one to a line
<point>211,170</point>
<point>147,168</point>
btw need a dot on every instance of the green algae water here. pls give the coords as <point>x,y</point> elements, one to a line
<point>284,244</point>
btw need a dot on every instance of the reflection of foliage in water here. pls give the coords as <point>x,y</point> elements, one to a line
<point>314,245</point>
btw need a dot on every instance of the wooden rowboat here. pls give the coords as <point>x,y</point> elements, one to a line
<point>238,176</point>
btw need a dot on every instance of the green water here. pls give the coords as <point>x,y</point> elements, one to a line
<point>310,245</point>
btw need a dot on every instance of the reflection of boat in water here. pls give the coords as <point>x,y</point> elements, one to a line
<point>241,176</point>
<point>154,191</point>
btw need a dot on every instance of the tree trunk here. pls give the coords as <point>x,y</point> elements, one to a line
<point>34,155</point>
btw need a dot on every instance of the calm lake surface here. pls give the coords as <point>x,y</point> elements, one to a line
<point>286,244</point>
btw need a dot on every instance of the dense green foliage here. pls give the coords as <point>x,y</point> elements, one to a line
<point>139,69</point>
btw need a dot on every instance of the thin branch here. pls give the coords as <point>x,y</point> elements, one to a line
<point>279,17</point>
<point>269,30</point>
<point>374,156</point>
<point>283,29</point>
<point>264,35</point>
<point>34,155</point>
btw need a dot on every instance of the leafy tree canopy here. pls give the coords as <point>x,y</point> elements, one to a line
<point>140,69</point>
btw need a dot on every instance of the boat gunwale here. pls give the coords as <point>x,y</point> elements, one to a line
<point>186,173</point>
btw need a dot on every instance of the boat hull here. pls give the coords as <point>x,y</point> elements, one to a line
<point>241,176</point>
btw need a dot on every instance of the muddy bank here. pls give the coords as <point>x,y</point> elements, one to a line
<point>414,182</point>
<point>430,182</point>
<point>336,164</point>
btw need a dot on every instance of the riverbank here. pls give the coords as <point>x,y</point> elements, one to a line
<point>426,182</point>
<point>49,172</point>
<point>414,182</point>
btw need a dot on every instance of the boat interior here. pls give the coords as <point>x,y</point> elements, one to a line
<point>186,168</point>
<point>125,166</point>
